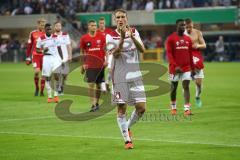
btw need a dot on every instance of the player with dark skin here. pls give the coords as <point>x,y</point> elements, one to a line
<point>181,26</point>
<point>49,31</point>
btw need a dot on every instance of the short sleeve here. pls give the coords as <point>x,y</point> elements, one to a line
<point>109,43</point>
<point>39,43</point>
<point>82,43</point>
<point>68,40</point>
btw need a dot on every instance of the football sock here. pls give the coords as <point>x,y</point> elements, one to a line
<point>134,118</point>
<point>198,90</point>
<point>36,80</point>
<point>42,85</point>
<point>122,124</point>
<point>49,89</point>
<point>173,105</point>
<point>187,106</point>
<point>57,84</point>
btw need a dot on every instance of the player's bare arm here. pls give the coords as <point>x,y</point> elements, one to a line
<point>106,57</point>
<point>199,42</point>
<point>83,68</point>
<point>202,44</point>
<point>69,48</point>
<point>140,47</point>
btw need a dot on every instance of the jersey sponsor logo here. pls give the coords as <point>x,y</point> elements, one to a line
<point>182,47</point>
<point>94,49</point>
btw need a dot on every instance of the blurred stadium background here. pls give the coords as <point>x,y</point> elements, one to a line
<point>154,19</point>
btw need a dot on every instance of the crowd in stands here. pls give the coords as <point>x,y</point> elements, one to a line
<point>71,7</point>
<point>13,50</point>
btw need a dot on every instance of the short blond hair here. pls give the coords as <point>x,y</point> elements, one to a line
<point>41,20</point>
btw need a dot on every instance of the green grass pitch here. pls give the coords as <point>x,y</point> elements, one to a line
<point>30,130</point>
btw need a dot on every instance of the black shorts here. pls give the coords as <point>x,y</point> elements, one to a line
<point>95,75</point>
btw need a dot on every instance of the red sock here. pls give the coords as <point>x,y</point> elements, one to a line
<point>36,79</point>
<point>42,85</point>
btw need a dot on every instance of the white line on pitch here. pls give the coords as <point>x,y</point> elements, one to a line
<point>117,138</point>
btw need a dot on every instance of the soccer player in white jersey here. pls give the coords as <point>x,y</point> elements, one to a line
<point>48,44</point>
<point>66,49</point>
<point>125,44</point>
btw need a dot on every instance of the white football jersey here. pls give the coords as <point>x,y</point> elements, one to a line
<point>64,40</point>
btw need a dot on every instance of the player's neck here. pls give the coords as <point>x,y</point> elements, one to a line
<point>58,33</point>
<point>102,29</point>
<point>48,35</point>
<point>180,33</point>
<point>92,34</point>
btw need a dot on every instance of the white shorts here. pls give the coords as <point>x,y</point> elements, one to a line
<point>110,57</point>
<point>62,69</point>
<point>50,63</point>
<point>180,76</point>
<point>128,93</point>
<point>199,74</point>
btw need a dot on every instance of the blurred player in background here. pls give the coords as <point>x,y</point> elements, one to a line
<point>92,46</point>
<point>48,43</point>
<point>66,49</point>
<point>36,58</point>
<point>181,67</point>
<point>124,44</point>
<point>198,43</point>
<point>104,31</point>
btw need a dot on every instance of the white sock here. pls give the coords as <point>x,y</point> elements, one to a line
<point>173,105</point>
<point>103,87</point>
<point>133,119</point>
<point>198,90</point>
<point>49,89</point>
<point>187,107</point>
<point>122,124</point>
<point>57,84</point>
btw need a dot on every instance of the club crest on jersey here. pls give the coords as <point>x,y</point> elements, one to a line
<point>182,41</point>
<point>88,44</point>
<point>117,95</point>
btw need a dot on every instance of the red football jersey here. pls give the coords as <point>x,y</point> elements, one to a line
<point>179,52</point>
<point>32,41</point>
<point>197,59</point>
<point>105,32</point>
<point>94,50</point>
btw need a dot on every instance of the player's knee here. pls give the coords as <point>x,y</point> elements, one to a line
<point>37,70</point>
<point>173,88</point>
<point>186,87</point>
<point>121,113</point>
<point>64,77</point>
<point>141,110</point>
